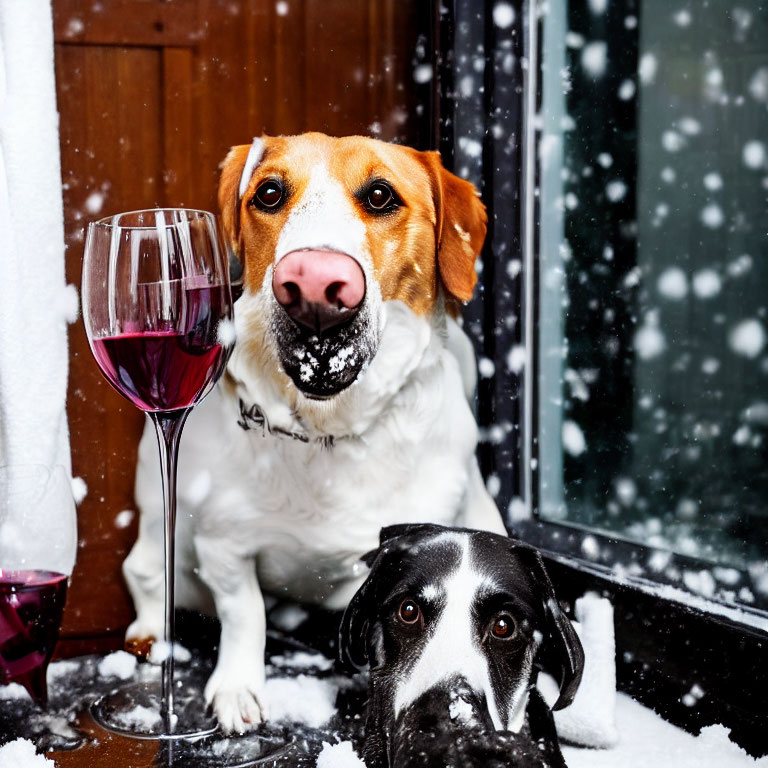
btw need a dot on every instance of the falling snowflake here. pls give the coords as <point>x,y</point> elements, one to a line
<point>647,68</point>
<point>423,73</point>
<point>590,547</point>
<point>616,190</point>
<point>470,147</point>
<point>486,367</point>
<point>710,366</point>
<point>649,340</point>
<point>574,442</point>
<point>594,58</point>
<point>753,154</point>
<point>668,175</point>
<point>713,181</point>
<point>690,126</point>
<point>605,160</point>
<point>712,216</point>
<point>672,141</point>
<point>758,85</point>
<point>627,90</point>
<point>626,491</point>
<point>740,266</point>
<point>747,338</point>
<point>94,203</point>
<point>706,283</point>
<point>673,284</point>
<point>503,15</point>
<point>516,359</point>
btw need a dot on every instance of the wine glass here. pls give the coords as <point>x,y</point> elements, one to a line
<point>37,545</point>
<point>157,309</point>
<point>31,605</point>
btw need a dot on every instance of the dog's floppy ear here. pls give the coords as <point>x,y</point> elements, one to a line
<point>390,532</point>
<point>355,623</point>
<point>461,225</point>
<point>229,198</point>
<point>561,653</point>
<point>236,171</point>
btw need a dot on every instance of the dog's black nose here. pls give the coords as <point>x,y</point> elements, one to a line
<point>319,289</point>
<point>318,318</point>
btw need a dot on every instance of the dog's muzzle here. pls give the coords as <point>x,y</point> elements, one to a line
<point>322,365</point>
<point>447,725</point>
<point>322,324</point>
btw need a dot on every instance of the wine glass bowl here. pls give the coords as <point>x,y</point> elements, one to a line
<point>157,310</point>
<point>155,297</point>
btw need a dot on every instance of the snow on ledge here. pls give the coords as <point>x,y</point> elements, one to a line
<point>735,613</point>
<point>647,740</point>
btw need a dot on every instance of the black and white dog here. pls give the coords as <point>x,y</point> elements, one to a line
<point>454,624</point>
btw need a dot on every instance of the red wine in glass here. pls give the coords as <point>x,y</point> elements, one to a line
<point>154,370</point>
<point>157,309</point>
<point>31,605</point>
<point>163,370</point>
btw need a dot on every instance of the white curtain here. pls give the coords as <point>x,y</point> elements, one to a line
<point>37,517</point>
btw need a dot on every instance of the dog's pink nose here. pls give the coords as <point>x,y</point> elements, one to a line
<point>319,289</point>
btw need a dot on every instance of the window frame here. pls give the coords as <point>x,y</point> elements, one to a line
<point>667,638</point>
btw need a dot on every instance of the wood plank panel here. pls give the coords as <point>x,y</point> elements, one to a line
<point>127,22</point>
<point>177,137</point>
<point>110,108</point>
<point>290,91</point>
<point>232,68</point>
<point>336,36</point>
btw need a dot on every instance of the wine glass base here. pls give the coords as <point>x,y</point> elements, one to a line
<point>134,711</point>
<point>196,741</point>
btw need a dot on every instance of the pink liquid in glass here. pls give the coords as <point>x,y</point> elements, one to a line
<point>163,370</point>
<point>31,605</point>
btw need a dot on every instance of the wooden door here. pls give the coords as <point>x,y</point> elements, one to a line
<point>151,95</point>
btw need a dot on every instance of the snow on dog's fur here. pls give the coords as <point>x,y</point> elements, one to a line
<point>334,418</point>
<point>454,623</point>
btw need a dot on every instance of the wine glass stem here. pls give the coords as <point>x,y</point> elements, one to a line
<point>168,425</point>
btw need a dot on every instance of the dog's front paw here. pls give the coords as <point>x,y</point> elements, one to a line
<point>238,700</point>
<point>140,646</point>
<point>140,637</point>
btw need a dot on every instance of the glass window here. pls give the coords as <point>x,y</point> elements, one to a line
<point>653,279</point>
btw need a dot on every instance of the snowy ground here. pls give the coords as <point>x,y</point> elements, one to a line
<point>647,741</point>
<point>318,711</point>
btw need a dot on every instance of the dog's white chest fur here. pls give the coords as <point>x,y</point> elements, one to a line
<point>308,508</point>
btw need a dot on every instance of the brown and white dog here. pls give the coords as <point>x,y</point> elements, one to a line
<point>345,403</point>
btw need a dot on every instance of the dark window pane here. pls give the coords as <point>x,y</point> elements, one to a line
<point>653,318</point>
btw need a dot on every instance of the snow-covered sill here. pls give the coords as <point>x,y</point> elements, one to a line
<point>658,573</point>
<point>742,616</point>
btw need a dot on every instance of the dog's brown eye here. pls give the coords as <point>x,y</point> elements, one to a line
<point>380,197</point>
<point>503,626</point>
<point>269,194</point>
<point>409,612</point>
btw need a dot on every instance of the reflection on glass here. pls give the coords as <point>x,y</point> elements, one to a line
<point>653,289</point>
